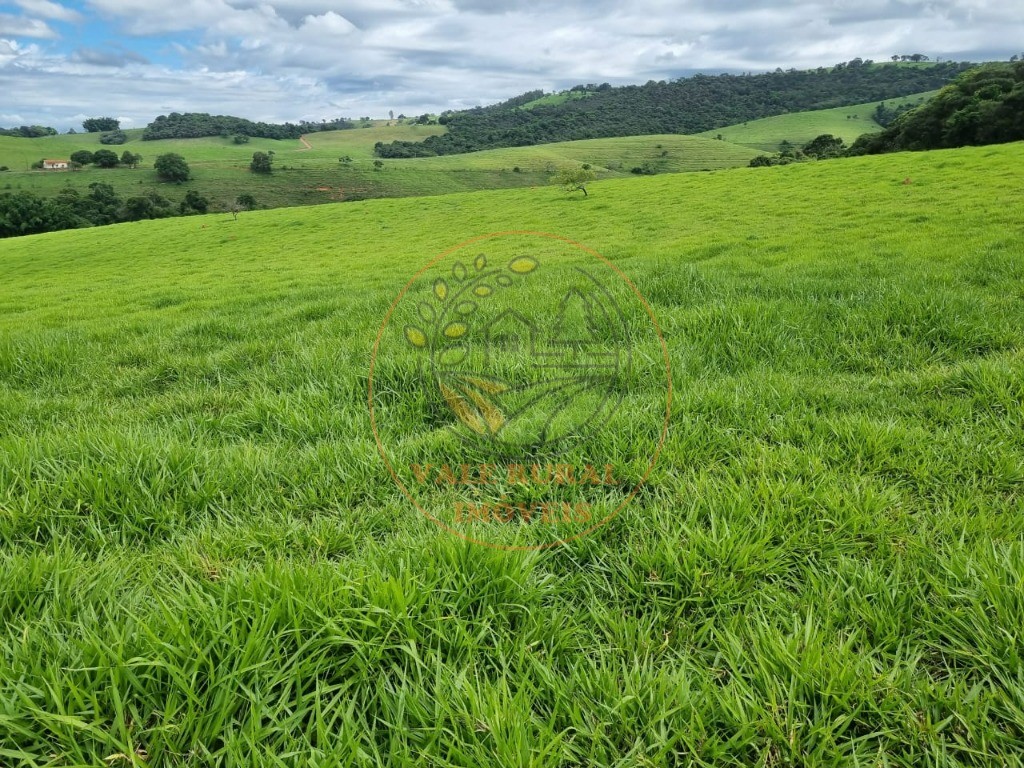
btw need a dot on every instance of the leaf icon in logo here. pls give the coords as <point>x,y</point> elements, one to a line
<point>455,330</point>
<point>441,289</point>
<point>523,265</point>
<point>415,336</point>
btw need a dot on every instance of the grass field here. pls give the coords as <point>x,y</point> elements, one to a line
<point>314,175</point>
<point>801,127</point>
<point>550,99</point>
<point>204,561</point>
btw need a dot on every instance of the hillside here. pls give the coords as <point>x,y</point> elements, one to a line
<point>310,173</point>
<point>205,561</point>
<point>847,123</point>
<point>687,105</point>
<point>982,106</point>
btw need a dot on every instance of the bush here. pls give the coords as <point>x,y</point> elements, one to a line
<point>105,158</point>
<point>240,138</point>
<point>115,137</point>
<point>261,163</point>
<point>193,203</point>
<point>246,201</point>
<point>98,124</point>
<point>172,167</point>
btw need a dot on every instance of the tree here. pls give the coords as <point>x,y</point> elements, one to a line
<point>575,179</point>
<point>262,162</point>
<point>246,201</point>
<point>130,159</point>
<point>115,137</point>
<point>391,114</point>
<point>105,158</point>
<point>172,167</point>
<point>240,138</point>
<point>138,208</point>
<point>103,203</point>
<point>193,203</point>
<point>82,157</point>
<point>378,165</point>
<point>824,147</point>
<point>99,124</point>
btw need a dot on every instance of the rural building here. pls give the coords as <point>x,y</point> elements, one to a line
<point>55,165</point>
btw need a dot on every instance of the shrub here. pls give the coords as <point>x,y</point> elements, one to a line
<point>114,137</point>
<point>172,167</point>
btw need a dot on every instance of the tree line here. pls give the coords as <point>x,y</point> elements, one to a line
<point>194,125</point>
<point>983,106</point>
<point>29,131</point>
<point>688,105</point>
<point>26,213</point>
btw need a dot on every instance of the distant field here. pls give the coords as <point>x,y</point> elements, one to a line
<point>555,98</point>
<point>205,563</point>
<point>308,176</point>
<point>800,127</point>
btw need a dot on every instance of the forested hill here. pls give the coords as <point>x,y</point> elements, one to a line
<point>688,105</point>
<point>194,125</point>
<point>983,106</point>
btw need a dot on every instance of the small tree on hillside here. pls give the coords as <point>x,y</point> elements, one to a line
<point>261,163</point>
<point>172,167</point>
<point>82,157</point>
<point>130,159</point>
<point>575,179</point>
<point>824,147</point>
<point>193,203</point>
<point>246,201</point>
<point>100,124</point>
<point>105,158</point>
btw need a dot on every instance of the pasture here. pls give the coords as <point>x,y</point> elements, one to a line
<point>204,561</point>
<point>799,128</point>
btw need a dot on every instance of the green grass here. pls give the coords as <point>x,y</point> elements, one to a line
<point>310,176</point>
<point>551,99</point>
<point>204,561</point>
<point>801,127</point>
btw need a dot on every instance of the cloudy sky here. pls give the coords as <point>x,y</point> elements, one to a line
<point>63,60</point>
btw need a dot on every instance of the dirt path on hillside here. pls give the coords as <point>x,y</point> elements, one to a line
<point>305,144</point>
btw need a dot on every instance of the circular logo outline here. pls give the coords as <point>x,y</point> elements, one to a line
<point>668,390</point>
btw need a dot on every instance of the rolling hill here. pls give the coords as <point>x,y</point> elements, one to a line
<point>847,123</point>
<point>309,172</point>
<point>204,559</point>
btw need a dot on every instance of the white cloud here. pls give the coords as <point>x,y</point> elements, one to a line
<point>329,23</point>
<point>47,9</point>
<point>21,26</point>
<point>292,59</point>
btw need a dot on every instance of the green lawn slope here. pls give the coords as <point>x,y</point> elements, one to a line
<point>311,172</point>
<point>800,127</point>
<point>204,560</point>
